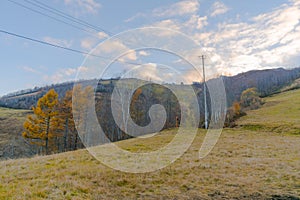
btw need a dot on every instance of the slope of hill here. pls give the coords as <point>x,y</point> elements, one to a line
<point>277,115</point>
<point>12,144</point>
<point>248,162</point>
<point>293,86</point>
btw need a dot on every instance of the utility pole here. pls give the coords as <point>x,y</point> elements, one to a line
<point>204,91</point>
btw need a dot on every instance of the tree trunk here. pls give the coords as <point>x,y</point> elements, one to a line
<point>66,134</point>
<point>76,140</point>
<point>47,134</point>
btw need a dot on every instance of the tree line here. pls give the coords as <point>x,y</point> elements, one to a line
<point>52,129</point>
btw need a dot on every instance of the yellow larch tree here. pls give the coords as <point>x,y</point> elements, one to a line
<point>41,127</point>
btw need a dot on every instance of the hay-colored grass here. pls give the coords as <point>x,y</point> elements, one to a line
<point>246,163</point>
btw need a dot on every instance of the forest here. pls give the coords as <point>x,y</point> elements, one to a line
<point>51,127</point>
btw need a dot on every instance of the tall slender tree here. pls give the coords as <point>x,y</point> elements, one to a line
<point>40,127</point>
<point>67,125</point>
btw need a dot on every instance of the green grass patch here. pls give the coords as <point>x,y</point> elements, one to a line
<point>253,127</point>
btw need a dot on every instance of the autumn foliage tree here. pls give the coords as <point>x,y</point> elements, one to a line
<point>236,108</point>
<point>40,128</point>
<point>66,125</point>
<point>52,126</point>
<point>233,113</point>
<point>250,99</point>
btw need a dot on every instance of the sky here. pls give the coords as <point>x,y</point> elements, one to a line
<point>236,36</point>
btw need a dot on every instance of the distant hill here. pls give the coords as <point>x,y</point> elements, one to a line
<point>266,81</point>
<point>25,99</point>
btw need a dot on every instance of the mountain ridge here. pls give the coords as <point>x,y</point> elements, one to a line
<point>267,82</point>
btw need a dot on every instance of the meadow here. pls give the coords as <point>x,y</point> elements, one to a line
<point>258,159</point>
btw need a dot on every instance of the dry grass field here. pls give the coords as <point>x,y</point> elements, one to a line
<point>259,159</point>
<point>11,126</point>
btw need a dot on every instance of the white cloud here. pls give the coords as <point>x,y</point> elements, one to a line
<point>129,56</point>
<point>102,35</point>
<point>269,40</point>
<point>201,22</point>
<point>156,73</point>
<point>70,71</point>
<point>174,17</point>
<point>113,45</point>
<point>144,53</point>
<point>181,8</point>
<point>82,69</point>
<point>138,15</point>
<point>246,61</point>
<point>60,42</point>
<point>63,75</point>
<point>196,22</point>
<point>192,76</point>
<point>170,24</point>
<point>90,42</point>
<point>178,9</point>
<point>113,48</point>
<point>151,72</point>
<point>218,8</point>
<point>30,69</point>
<point>83,6</point>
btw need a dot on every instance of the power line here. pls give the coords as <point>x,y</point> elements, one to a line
<point>84,23</point>
<point>66,16</point>
<point>61,21</point>
<point>46,43</point>
<point>65,48</point>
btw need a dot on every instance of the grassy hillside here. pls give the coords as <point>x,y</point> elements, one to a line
<point>11,126</point>
<point>293,86</point>
<point>280,114</point>
<point>252,161</point>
